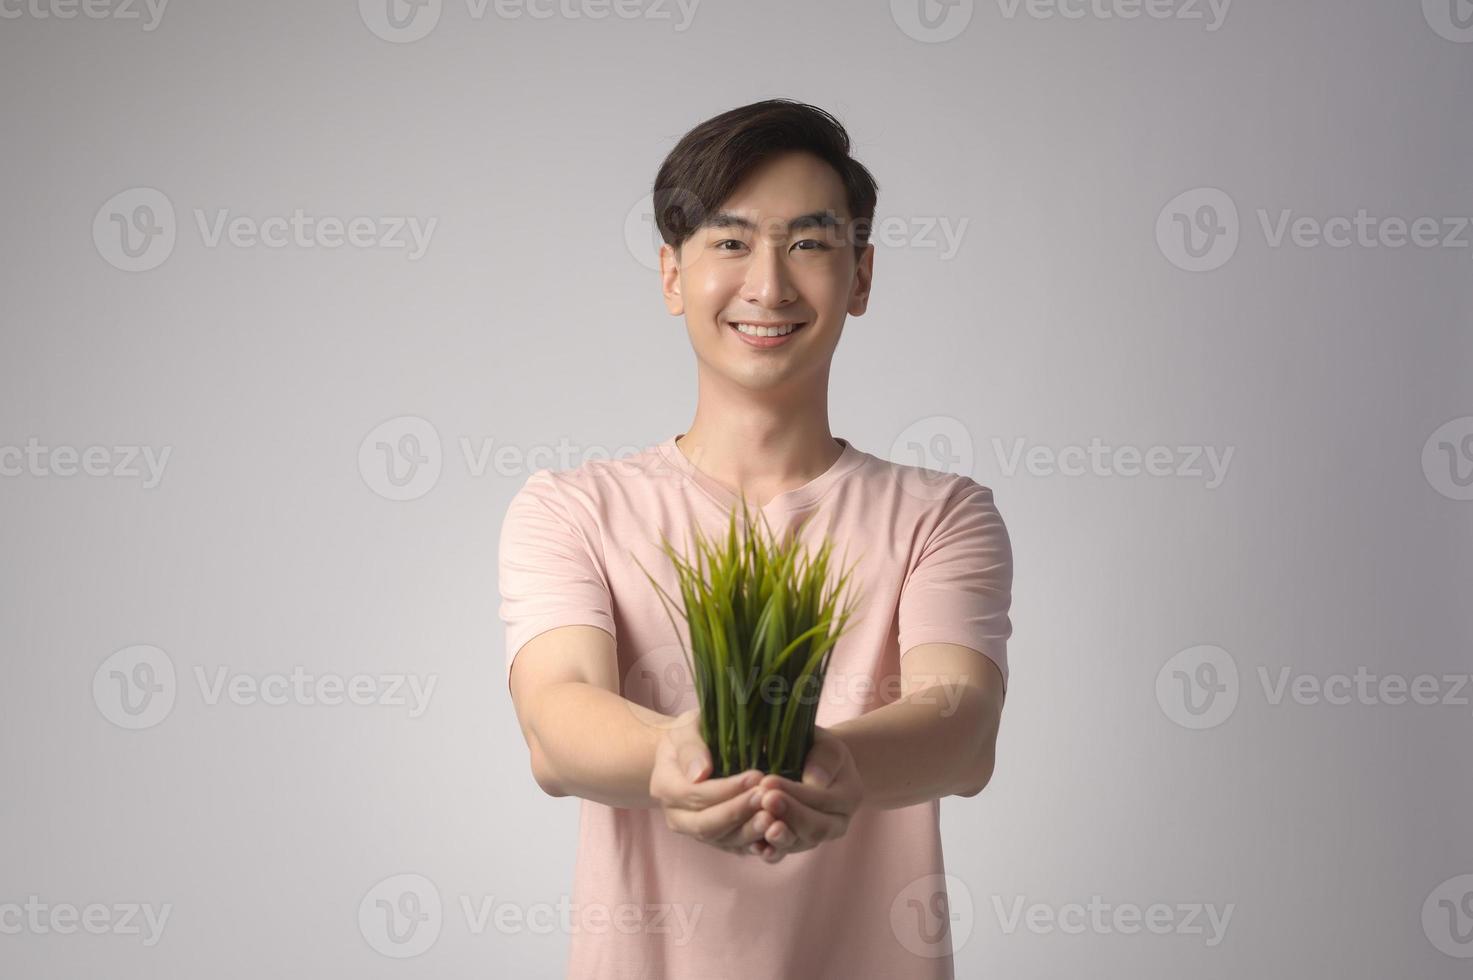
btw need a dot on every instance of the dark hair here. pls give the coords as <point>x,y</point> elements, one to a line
<point>711,160</point>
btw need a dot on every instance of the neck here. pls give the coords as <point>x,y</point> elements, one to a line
<point>759,444</point>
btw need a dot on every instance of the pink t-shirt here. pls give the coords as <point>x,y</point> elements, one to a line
<point>933,562</point>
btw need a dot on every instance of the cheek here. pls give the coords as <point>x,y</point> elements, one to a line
<point>714,284</point>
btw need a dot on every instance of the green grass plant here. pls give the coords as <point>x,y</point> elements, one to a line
<point>762,616</point>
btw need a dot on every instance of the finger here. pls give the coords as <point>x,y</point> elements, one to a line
<point>714,823</point>
<point>782,839</point>
<point>765,851</point>
<point>749,833</point>
<point>828,800</point>
<point>692,757</point>
<point>707,793</point>
<point>824,761</point>
<point>803,821</point>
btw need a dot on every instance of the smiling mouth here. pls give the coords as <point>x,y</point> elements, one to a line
<point>755,330</point>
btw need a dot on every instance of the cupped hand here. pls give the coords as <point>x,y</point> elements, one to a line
<point>798,816</point>
<point>714,811</point>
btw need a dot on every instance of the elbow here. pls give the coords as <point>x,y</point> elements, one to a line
<point>981,761</point>
<point>979,774</point>
<point>975,786</point>
<point>547,781</point>
<point>548,785</point>
<point>542,771</point>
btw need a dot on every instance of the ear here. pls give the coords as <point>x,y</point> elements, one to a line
<point>863,274</point>
<point>670,280</point>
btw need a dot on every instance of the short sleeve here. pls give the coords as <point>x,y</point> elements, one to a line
<point>547,573</point>
<point>960,589</point>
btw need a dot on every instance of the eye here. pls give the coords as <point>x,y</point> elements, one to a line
<point>818,246</point>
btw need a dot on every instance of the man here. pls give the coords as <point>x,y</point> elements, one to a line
<point>765,219</point>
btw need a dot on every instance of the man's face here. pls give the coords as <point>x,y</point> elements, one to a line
<point>779,250</point>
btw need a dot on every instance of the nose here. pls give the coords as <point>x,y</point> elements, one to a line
<point>767,284</point>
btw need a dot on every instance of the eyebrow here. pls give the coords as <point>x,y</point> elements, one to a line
<point>813,219</point>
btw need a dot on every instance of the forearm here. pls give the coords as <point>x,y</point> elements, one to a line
<point>932,743</point>
<point>591,743</point>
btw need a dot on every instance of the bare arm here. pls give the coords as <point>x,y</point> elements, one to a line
<point>589,741</point>
<point>939,739</point>
<point>585,738</point>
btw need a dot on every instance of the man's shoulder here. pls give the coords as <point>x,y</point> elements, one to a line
<point>596,476</point>
<point>931,490</point>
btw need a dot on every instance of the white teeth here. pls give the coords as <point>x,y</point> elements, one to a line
<point>752,331</point>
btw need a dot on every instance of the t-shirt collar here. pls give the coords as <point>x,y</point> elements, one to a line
<point>801,496</point>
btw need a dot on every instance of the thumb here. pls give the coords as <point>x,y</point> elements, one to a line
<point>692,758</point>
<point>824,760</point>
